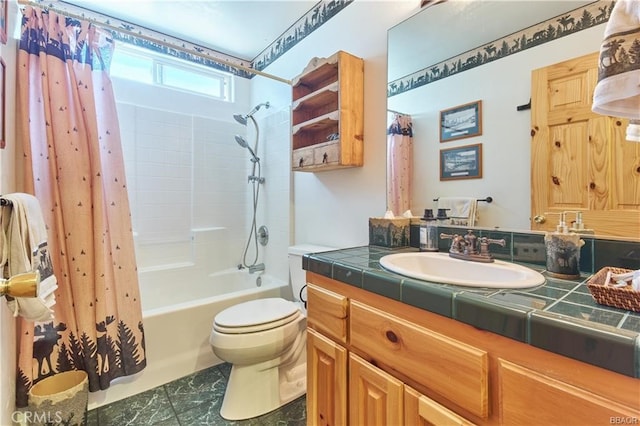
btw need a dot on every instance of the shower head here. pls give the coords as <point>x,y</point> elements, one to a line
<point>243,143</point>
<point>242,119</point>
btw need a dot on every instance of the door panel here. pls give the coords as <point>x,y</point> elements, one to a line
<point>580,161</point>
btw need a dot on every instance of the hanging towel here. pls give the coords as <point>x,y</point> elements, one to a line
<point>462,211</point>
<point>24,249</point>
<point>618,92</point>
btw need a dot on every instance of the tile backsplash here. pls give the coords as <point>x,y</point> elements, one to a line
<point>530,248</point>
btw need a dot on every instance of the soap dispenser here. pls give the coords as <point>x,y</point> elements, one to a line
<point>563,251</point>
<point>577,226</point>
<point>428,232</point>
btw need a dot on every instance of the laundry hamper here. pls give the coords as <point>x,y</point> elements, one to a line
<point>60,399</point>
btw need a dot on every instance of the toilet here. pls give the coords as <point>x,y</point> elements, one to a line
<point>265,341</point>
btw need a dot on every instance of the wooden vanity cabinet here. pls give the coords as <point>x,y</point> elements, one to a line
<point>527,395</point>
<point>376,361</point>
<point>328,114</point>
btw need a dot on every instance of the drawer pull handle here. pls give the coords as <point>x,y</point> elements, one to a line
<point>392,336</point>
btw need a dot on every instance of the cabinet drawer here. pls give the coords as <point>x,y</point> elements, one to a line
<point>452,369</point>
<point>302,157</point>
<point>527,395</point>
<point>327,312</point>
<point>328,153</point>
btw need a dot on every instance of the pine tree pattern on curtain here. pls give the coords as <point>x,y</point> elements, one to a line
<point>73,164</point>
<point>399,164</point>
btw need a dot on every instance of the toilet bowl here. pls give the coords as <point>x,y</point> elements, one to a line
<point>265,341</point>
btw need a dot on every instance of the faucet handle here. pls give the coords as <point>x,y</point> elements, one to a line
<point>457,242</point>
<point>484,245</point>
<point>444,236</point>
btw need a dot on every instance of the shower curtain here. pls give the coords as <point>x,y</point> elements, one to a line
<point>399,164</point>
<point>68,128</point>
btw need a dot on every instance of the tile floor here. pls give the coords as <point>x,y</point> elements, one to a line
<point>194,400</point>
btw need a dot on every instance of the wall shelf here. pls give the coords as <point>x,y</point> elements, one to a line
<point>327,114</point>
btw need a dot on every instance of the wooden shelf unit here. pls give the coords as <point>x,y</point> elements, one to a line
<point>327,114</point>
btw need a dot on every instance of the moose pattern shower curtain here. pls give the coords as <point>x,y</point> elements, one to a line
<point>68,128</point>
<point>399,164</point>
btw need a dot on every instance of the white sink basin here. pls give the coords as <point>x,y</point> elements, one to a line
<point>440,268</point>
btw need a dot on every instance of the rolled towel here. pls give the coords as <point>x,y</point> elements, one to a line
<point>33,308</point>
<point>25,249</point>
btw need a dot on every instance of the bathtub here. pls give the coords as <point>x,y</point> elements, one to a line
<point>178,307</point>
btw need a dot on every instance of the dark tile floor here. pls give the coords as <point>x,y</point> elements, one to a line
<point>194,400</point>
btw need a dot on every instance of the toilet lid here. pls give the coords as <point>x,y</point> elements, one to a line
<point>256,315</point>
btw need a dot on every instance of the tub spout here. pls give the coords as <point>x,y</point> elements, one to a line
<point>256,268</point>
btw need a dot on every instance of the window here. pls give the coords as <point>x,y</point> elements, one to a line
<point>149,67</point>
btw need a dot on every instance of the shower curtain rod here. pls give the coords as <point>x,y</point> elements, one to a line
<point>68,14</point>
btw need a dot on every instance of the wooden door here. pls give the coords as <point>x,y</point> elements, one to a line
<point>375,397</point>
<point>326,381</point>
<point>580,161</point>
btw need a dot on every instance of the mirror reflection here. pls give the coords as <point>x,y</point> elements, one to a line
<point>457,53</point>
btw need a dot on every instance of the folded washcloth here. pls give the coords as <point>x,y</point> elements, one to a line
<point>461,211</point>
<point>24,249</point>
<point>618,92</point>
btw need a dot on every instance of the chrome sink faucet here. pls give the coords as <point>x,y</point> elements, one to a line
<point>470,247</point>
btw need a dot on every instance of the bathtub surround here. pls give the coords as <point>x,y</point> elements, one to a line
<point>68,127</point>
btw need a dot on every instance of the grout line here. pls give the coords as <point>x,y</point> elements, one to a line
<point>173,408</point>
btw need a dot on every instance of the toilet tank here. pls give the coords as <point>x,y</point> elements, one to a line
<point>296,273</point>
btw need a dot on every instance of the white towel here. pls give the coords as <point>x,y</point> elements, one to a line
<point>618,92</point>
<point>24,249</point>
<point>462,211</point>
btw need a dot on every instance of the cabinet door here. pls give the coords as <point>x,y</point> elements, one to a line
<point>326,381</point>
<point>529,397</point>
<point>375,397</point>
<point>420,410</point>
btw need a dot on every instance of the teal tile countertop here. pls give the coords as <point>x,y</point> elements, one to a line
<point>559,316</point>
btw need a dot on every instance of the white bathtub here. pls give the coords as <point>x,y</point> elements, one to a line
<point>178,306</point>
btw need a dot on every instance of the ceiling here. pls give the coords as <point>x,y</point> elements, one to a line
<point>240,28</point>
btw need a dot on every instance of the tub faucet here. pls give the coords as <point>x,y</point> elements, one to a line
<point>256,268</point>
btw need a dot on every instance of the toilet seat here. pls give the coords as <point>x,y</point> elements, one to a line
<point>256,315</point>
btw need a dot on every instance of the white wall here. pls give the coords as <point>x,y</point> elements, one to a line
<point>8,183</point>
<point>332,208</point>
<point>506,140</point>
<point>273,149</point>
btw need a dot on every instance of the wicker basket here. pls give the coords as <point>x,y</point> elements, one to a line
<point>619,297</point>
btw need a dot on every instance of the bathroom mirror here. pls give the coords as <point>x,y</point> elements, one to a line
<point>441,40</point>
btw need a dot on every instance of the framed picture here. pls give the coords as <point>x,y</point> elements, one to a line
<point>3,89</point>
<point>463,121</point>
<point>464,162</point>
<point>4,6</point>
